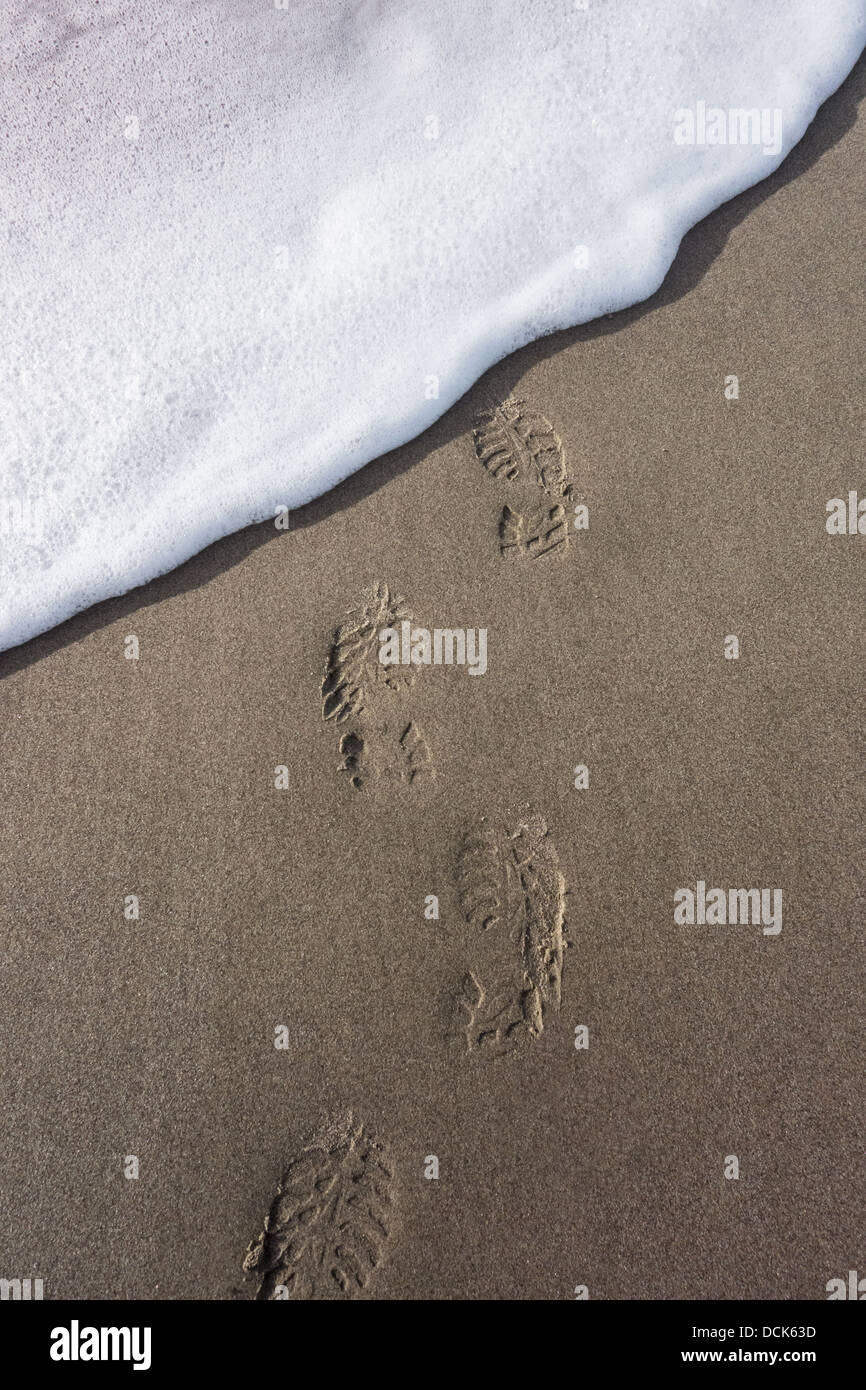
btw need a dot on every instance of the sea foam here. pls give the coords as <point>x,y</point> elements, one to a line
<point>248,245</point>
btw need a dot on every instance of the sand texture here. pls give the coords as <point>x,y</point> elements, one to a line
<point>285,1037</point>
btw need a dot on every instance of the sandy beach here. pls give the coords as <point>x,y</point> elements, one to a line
<point>284,971</point>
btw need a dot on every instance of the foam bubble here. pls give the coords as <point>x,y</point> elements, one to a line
<point>243,244</point>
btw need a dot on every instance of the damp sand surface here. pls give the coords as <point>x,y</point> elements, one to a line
<point>300,914</point>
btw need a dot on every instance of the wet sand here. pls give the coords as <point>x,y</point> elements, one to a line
<point>303,908</point>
